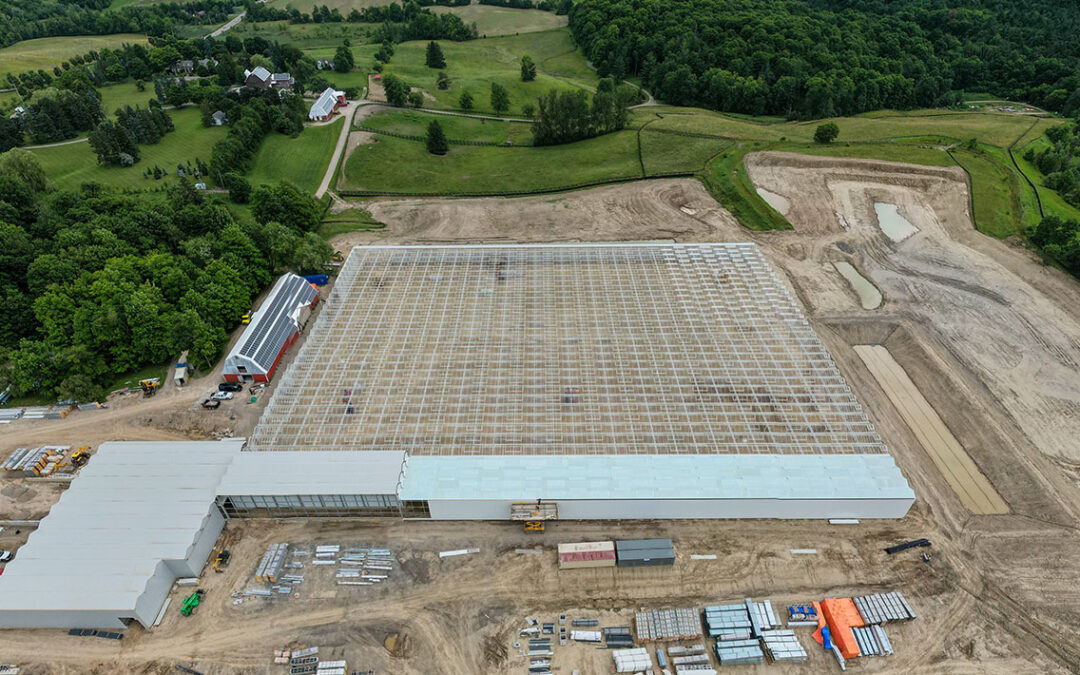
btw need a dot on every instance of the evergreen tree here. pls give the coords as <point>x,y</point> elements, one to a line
<point>435,57</point>
<point>465,101</point>
<point>442,81</point>
<point>436,139</point>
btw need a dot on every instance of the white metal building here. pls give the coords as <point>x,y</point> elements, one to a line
<point>138,516</point>
<point>273,328</point>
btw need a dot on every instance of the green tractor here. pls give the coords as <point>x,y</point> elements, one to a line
<point>191,602</point>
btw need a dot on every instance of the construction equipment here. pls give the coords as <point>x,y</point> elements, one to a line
<point>191,602</point>
<point>80,457</point>
<point>245,319</point>
<point>149,387</point>
<point>533,515</point>
<point>914,543</point>
<point>221,561</point>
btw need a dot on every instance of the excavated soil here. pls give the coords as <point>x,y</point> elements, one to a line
<point>987,334</point>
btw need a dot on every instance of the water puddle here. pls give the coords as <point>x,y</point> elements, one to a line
<point>894,225</point>
<point>778,202</point>
<point>869,295</point>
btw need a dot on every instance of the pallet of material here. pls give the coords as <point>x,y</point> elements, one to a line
<point>696,669</point>
<point>272,562</point>
<point>693,658</point>
<point>682,650</point>
<point>586,554</point>
<point>632,660</point>
<point>884,607</point>
<point>660,625</point>
<point>740,653</point>
<point>783,646</point>
<point>586,636</point>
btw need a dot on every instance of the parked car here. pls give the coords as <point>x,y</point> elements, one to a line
<point>6,556</point>
<point>230,386</point>
<point>222,396</point>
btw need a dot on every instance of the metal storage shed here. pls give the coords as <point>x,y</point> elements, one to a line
<point>273,328</point>
<point>644,552</point>
<point>139,516</point>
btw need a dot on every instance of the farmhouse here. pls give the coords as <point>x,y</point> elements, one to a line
<point>327,103</point>
<point>273,328</point>
<point>325,64</point>
<point>219,118</point>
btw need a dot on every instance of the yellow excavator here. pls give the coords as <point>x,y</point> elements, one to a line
<point>81,456</point>
<point>149,387</point>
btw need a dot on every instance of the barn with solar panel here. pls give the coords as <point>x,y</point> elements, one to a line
<point>273,328</point>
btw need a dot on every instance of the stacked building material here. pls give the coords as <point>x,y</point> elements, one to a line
<point>585,623</point>
<point>618,637</point>
<point>35,412</point>
<point>332,668</point>
<point>783,646</point>
<point>883,607</point>
<point>10,414</point>
<point>683,650</point>
<point>761,615</point>
<point>586,554</point>
<point>690,659</point>
<point>540,647</point>
<point>632,660</point>
<point>739,652</point>
<point>58,412</point>
<point>872,641</point>
<point>33,462</point>
<point>728,622</point>
<point>696,669</point>
<point>659,625</point>
<point>802,615</point>
<point>272,561</point>
<point>586,636</point>
<point>644,552</point>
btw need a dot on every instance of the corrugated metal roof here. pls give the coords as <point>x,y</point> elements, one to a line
<point>706,476</point>
<point>324,105</point>
<point>134,505</point>
<point>273,324</point>
<point>261,73</point>
<point>370,472</point>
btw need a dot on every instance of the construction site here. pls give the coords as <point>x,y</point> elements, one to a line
<point>671,445</point>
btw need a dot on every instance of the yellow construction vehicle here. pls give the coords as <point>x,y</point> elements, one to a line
<point>149,387</point>
<point>222,560</point>
<point>245,319</point>
<point>534,515</point>
<point>81,456</point>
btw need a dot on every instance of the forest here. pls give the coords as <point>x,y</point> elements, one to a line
<point>96,283</point>
<point>819,58</point>
<point>1060,162</point>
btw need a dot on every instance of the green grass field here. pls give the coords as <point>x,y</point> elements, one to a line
<point>301,160</point>
<point>46,53</point>
<point>310,37</point>
<point>343,6</point>
<point>399,165</point>
<point>474,65</point>
<point>116,96</point>
<point>349,220</point>
<point>71,165</point>
<point>414,123</point>
<point>996,191</point>
<point>492,20</point>
<point>661,154</point>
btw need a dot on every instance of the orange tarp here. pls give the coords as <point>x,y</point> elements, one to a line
<point>841,615</point>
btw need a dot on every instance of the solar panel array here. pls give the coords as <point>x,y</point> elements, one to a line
<point>274,323</point>
<point>565,349</point>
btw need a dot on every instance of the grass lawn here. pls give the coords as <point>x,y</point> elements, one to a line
<point>310,37</point>
<point>71,165</point>
<point>914,151</point>
<point>45,53</point>
<point>132,379</point>
<point>476,64</point>
<point>301,160</point>
<point>8,101</point>
<point>413,123</point>
<point>665,153</point>
<point>353,79</point>
<point>492,20</point>
<point>998,210</point>
<point>399,165</point>
<point>116,96</point>
<point>1052,202</point>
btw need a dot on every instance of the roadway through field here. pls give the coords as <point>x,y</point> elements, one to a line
<point>975,491</point>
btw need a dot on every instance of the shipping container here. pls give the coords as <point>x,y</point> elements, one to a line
<point>586,554</point>
<point>644,552</point>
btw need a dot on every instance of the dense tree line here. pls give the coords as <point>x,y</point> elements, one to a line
<point>1060,162</point>
<point>28,19</point>
<point>558,6</point>
<point>567,116</point>
<point>117,143</point>
<point>95,283</point>
<point>818,58</point>
<point>59,114</point>
<point>1059,240</point>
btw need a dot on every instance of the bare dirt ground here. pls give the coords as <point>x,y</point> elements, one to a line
<point>988,335</point>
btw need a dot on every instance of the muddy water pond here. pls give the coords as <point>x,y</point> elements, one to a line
<point>869,295</point>
<point>894,225</point>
